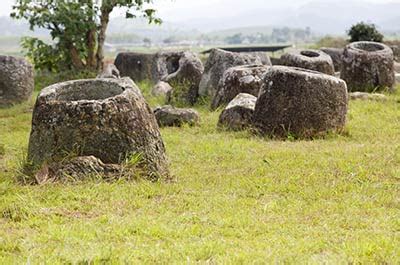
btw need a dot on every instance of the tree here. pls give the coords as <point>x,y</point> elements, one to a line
<point>364,32</point>
<point>77,27</point>
<point>147,42</point>
<point>234,39</point>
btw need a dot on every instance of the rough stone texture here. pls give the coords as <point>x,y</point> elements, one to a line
<point>300,103</point>
<point>236,80</point>
<point>367,96</point>
<point>368,66</point>
<point>137,66</point>
<point>16,80</point>
<point>336,55</point>
<point>183,71</point>
<point>238,114</point>
<point>218,62</point>
<point>276,61</point>
<point>396,52</point>
<point>106,118</point>
<point>78,168</point>
<point>397,67</point>
<point>265,59</point>
<point>309,59</point>
<point>161,89</point>
<point>171,116</point>
<point>109,71</point>
<point>397,78</point>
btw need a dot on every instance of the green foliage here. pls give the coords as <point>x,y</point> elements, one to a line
<point>364,32</point>
<point>77,29</point>
<point>44,56</point>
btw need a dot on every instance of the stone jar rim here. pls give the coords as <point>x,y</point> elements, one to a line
<point>380,48</point>
<point>107,89</point>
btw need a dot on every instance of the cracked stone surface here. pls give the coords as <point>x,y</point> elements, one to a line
<point>309,59</point>
<point>219,61</point>
<point>16,80</point>
<point>236,80</point>
<point>238,115</point>
<point>301,103</point>
<point>368,66</point>
<point>105,118</point>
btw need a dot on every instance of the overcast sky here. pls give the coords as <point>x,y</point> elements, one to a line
<point>180,10</point>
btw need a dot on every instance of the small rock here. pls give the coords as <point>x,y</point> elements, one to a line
<point>397,78</point>
<point>367,96</point>
<point>77,168</point>
<point>171,116</point>
<point>161,89</point>
<point>109,71</point>
<point>239,112</point>
<point>397,67</point>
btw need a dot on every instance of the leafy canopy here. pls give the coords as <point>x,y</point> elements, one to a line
<point>77,28</point>
<point>364,32</point>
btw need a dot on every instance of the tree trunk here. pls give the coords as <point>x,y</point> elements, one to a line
<point>91,44</point>
<point>91,40</point>
<point>76,61</point>
<point>106,9</point>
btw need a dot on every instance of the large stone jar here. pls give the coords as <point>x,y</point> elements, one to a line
<point>16,80</point>
<point>236,80</point>
<point>105,118</point>
<point>295,102</point>
<point>219,61</point>
<point>309,59</point>
<point>368,66</point>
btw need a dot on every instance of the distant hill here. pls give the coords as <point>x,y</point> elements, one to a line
<point>322,16</point>
<point>319,16</point>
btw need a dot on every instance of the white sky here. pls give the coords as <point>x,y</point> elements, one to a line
<point>178,10</point>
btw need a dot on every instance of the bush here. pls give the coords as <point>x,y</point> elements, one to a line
<point>364,32</point>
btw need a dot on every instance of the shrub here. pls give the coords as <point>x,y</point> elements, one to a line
<point>364,32</point>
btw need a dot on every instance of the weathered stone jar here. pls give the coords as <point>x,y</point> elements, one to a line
<point>137,66</point>
<point>105,118</point>
<point>309,59</point>
<point>336,55</point>
<point>300,103</point>
<point>16,80</point>
<point>219,61</point>
<point>236,80</point>
<point>368,66</point>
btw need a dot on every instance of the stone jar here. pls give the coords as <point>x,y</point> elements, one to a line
<point>105,118</point>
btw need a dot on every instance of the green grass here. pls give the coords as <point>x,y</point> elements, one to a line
<point>237,198</point>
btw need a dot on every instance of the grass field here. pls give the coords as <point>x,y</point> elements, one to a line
<point>237,198</point>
